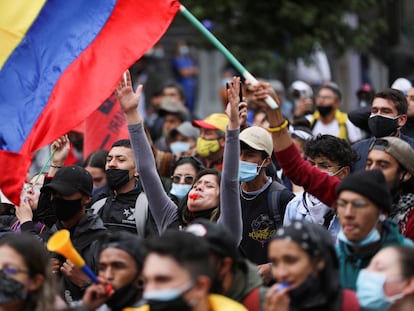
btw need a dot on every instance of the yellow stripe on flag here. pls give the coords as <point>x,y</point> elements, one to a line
<point>16,17</point>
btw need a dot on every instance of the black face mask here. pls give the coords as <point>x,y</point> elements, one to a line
<point>176,304</point>
<point>66,209</point>
<point>10,289</point>
<point>381,126</point>
<point>307,294</point>
<point>124,297</point>
<point>116,178</point>
<point>324,110</point>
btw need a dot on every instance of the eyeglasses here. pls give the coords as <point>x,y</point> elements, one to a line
<point>12,271</point>
<point>188,179</point>
<point>321,165</point>
<point>358,203</point>
<point>324,97</point>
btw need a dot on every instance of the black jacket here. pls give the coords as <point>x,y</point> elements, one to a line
<point>85,237</point>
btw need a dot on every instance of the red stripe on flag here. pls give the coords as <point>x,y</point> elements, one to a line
<point>105,126</point>
<point>132,29</point>
<point>14,167</point>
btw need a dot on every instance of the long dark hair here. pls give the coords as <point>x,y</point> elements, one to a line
<point>212,214</point>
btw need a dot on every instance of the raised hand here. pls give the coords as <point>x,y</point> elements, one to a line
<point>232,109</point>
<point>60,148</point>
<point>128,99</point>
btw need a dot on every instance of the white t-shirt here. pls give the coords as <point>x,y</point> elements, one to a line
<point>354,133</point>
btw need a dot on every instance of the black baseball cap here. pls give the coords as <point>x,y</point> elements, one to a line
<point>70,179</point>
<point>219,238</point>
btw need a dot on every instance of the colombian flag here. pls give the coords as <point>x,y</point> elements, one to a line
<point>59,61</point>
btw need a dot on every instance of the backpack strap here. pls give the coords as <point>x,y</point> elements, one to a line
<point>141,213</point>
<point>96,207</point>
<point>273,202</point>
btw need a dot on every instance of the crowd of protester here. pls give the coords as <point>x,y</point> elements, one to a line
<point>310,209</point>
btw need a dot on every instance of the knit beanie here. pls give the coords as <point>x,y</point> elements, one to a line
<point>370,184</point>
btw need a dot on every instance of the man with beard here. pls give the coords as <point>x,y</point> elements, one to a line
<point>328,119</point>
<point>120,265</point>
<point>126,206</point>
<point>394,157</point>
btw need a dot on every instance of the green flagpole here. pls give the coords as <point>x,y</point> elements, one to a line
<point>243,71</point>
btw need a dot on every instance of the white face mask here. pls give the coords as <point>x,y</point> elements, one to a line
<point>336,173</point>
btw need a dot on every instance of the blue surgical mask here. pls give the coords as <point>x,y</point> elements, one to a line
<point>372,237</point>
<point>248,171</point>
<point>167,294</point>
<point>167,299</point>
<point>370,291</point>
<point>180,190</point>
<point>179,146</point>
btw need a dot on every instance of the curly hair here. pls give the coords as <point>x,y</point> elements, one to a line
<point>333,148</point>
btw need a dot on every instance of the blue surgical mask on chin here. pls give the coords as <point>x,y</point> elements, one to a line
<point>167,299</point>
<point>248,171</point>
<point>179,147</point>
<point>370,291</point>
<point>372,237</point>
<point>180,190</point>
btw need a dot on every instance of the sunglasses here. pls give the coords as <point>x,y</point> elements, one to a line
<point>188,179</point>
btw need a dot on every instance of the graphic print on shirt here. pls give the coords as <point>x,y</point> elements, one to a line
<point>262,229</point>
<point>129,213</point>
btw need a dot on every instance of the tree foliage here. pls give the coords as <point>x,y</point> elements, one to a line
<point>278,30</point>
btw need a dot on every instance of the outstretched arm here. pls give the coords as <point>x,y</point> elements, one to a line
<point>163,210</point>
<point>316,182</point>
<point>230,214</point>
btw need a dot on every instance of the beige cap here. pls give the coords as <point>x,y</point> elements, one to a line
<point>257,138</point>
<point>399,149</point>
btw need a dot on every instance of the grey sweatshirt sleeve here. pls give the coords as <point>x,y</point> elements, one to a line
<point>163,209</point>
<point>230,207</point>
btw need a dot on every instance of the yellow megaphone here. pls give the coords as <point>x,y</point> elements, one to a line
<point>60,243</point>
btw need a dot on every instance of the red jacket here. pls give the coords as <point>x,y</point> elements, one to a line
<point>301,173</point>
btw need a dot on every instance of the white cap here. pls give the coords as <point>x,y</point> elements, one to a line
<point>402,84</point>
<point>302,87</point>
<point>257,138</point>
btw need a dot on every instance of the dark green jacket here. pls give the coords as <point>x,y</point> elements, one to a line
<point>350,262</point>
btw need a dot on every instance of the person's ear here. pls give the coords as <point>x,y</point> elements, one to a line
<point>402,120</point>
<point>200,290</point>
<point>409,288</point>
<point>406,176</point>
<point>225,267</point>
<point>222,141</point>
<point>346,170</point>
<point>85,200</point>
<point>267,162</point>
<point>36,282</point>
